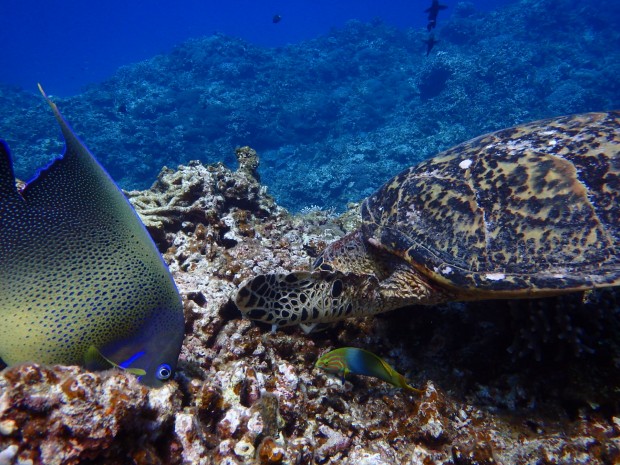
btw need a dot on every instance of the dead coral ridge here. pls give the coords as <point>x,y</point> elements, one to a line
<point>198,194</point>
<point>244,395</point>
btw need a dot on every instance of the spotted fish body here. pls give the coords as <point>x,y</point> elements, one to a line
<point>351,360</point>
<point>79,270</point>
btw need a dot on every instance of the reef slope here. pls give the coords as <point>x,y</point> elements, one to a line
<point>504,382</point>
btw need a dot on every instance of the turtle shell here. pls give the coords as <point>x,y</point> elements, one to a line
<point>530,209</point>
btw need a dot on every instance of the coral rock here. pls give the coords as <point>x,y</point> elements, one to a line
<point>64,415</point>
<point>246,395</point>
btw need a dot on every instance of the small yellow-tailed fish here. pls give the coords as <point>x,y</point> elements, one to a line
<point>81,281</point>
<point>351,360</point>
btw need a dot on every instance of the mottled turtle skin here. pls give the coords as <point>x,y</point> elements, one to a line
<point>525,212</point>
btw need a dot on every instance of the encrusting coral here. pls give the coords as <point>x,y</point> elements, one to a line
<point>64,415</point>
<point>244,395</point>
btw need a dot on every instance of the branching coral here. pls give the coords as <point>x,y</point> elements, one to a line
<point>197,194</point>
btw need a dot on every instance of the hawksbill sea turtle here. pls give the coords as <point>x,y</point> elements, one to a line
<point>525,212</point>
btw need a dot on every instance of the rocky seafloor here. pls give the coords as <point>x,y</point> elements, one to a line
<point>511,382</point>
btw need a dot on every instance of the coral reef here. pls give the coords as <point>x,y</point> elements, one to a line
<point>336,116</point>
<point>63,415</point>
<point>503,382</point>
<point>197,194</point>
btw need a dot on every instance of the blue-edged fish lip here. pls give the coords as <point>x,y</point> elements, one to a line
<point>127,363</point>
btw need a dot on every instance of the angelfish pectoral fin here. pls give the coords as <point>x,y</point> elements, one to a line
<point>94,357</point>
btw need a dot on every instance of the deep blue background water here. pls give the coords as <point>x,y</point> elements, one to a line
<point>333,116</point>
<point>68,44</point>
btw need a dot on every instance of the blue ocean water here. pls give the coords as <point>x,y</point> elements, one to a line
<point>336,98</point>
<point>68,44</point>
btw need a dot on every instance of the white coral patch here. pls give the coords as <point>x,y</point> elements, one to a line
<point>288,375</point>
<point>7,455</point>
<point>495,276</point>
<point>7,427</point>
<point>245,450</point>
<point>465,164</point>
<point>412,215</point>
<point>255,424</point>
<point>230,422</point>
<point>446,270</point>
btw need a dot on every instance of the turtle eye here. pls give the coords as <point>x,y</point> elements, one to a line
<point>164,372</point>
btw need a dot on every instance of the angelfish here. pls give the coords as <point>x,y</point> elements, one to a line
<point>350,360</point>
<point>81,281</point>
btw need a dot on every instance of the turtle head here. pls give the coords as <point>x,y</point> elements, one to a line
<point>306,298</point>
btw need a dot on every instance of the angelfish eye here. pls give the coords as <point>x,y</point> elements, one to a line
<point>164,372</point>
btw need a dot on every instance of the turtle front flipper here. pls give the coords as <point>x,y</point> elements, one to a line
<point>307,298</point>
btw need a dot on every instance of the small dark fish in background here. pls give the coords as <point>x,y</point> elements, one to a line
<point>430,43</point>
<point>276,19</point>
<point>433,11</point>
